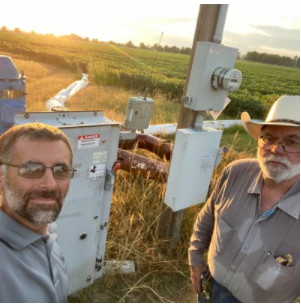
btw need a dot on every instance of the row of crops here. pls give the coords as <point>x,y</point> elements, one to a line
<point>134,68</point>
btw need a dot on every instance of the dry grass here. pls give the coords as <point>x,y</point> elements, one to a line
<point>162,274</point>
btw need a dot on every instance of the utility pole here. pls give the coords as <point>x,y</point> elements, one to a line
<point>170,222</point>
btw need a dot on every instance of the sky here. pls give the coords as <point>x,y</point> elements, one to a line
<point>272,28</point>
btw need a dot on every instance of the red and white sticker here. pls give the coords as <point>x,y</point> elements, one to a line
<point>88,141</point>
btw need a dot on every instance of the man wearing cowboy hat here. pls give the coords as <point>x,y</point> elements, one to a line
<point>250,225</point>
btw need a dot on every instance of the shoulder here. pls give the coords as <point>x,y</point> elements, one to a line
<point>243,166</point>
<point>241,170</point>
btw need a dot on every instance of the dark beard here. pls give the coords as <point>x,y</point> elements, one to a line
<point>30,212</point>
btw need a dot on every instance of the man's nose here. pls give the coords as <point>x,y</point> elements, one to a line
<point>48,179</point>
<point>278,148</point>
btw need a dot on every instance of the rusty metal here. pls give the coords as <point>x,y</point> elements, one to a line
<point>138,164</point>
<point>160,147</point>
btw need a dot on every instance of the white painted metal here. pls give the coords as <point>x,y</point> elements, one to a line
<point>218,35</point>
<point>60,98</point>
<point>83,223</point>
<point>138,113</point>
<point>192,164</point>
<point>208,57</point>
<point>124,267</point>
<point>171,128</point>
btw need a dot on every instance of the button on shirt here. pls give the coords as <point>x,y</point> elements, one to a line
<point>32,268</point>
<point>243,244</point>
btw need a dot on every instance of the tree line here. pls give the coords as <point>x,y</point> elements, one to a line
<point>273,59</point>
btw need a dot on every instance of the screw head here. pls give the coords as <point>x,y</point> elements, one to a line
<point>83,236</point>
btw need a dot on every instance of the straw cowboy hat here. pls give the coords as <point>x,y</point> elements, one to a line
<point>284,112</point>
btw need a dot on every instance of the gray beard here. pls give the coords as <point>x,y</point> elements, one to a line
<point>278,174</point>
<point>38,214</point>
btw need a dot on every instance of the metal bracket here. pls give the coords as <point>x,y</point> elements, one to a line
<point>98,263</point>
<point>186,99</point>
<point>110,177</point>
<point>103,225</point>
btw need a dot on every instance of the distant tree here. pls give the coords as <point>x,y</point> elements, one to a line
<point>130,44</point>
<point>4,29</point>
<point>143,46</point>
<point>171,49</point>
<point>273,59</point>
<point>17,30</point>
<point>297,61</point>
<point>185,50</point>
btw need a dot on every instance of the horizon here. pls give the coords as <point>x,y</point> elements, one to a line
<point>121,43</point>
<point>260,27</point>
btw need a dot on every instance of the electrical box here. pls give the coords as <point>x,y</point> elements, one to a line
<point>212,76</point>
<point>138,113</point>
<point>193,160</point>
<point>12,92</point>
<point>83,222</point>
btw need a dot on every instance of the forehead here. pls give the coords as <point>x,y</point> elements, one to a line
<point>45,151</point>
<point>281,131</point>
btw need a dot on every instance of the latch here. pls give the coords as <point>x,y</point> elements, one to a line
<point>110,177</point>
<point>98,263</point>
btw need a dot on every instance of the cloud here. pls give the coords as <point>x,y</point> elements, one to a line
<point>272,38</point>
<point>279,32</point>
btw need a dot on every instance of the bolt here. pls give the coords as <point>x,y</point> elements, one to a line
<point>83,236</point>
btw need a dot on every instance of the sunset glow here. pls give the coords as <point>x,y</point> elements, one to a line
<point>245,28</point>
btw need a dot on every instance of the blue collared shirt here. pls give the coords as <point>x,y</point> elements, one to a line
<point>32,268</point>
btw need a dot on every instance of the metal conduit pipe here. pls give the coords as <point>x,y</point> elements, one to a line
<point>218,35</point>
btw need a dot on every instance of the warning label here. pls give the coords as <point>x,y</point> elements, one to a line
<point>88,141</point>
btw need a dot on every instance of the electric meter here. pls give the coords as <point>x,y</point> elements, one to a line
<point>212,77</point>
<point>226,79</point>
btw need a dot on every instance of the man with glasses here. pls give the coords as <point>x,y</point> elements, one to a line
<point>35,173</point>
<point>250,225</point>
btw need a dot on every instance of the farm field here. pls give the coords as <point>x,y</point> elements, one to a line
<point>136,69</point>
<point>51,64</point>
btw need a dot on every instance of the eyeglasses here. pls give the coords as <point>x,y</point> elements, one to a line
<point>37,170</point>
<point>289,145</point>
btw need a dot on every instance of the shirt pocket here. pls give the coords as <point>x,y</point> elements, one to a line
<point>222,235</point>
<point>269,274</point>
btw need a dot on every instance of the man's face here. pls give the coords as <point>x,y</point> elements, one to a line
<point>37,201</point>
<point>276,163</point>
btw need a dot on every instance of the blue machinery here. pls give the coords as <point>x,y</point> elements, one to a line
<point>12,93</point>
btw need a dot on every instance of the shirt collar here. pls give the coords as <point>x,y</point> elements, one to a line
<point>15,234</point>
<point>289,203</point>
<point>256,185</point>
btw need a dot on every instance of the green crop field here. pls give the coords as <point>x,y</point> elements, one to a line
<point>134,68</point>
